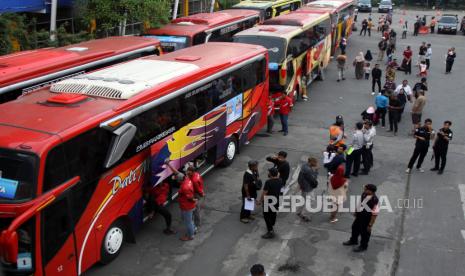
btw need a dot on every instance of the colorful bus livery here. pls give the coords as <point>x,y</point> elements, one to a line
<point>203,27</point>
<point>269,9</point>
<point>82,154</point>
<point>27,71</point>
<point>299,45</point>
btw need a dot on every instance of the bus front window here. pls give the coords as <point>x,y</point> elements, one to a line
<point>17,175</point>
<point>25,261</point>
<point>170,43</point>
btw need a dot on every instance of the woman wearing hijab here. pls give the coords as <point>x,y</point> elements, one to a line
<point>338,190</point>
<point>359,63</point>
<point>368,56</point>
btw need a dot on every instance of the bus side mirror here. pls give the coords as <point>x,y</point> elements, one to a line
<point>9,246</point>
<point>122,137</point>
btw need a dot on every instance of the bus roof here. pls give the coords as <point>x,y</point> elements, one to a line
<point>39,112</point>
<point>282,31</point>
<point>329,5</point>
<point>257,4</point>
<point>297,19</point>
<point>27,65</point>
<point>201,22</point>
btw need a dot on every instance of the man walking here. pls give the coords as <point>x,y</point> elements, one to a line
<point>395,106</point>
<point>369,133</point>
<point>382,103</point>
<point>270,200</point>
<point>417,109</point>
<point>376,79</point>
<point>281,164</point>
<point>364,27</point>
<point>428,55</point>
<point>382,45</point>
<point>285,106</point>
<point>358,141</point>
<point>341,64</point>
<point>450,59</point>
<point>307,180</point>
<point>365,217</point>
<point>250,184</point>
<point>440,147</point>
<point>423,135</point>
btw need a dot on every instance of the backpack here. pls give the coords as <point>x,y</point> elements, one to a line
<point>382,45</point>
<point>402,97</point>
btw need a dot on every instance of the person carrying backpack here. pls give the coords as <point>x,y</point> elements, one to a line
<point>308,180</point>
<point>382,46</point>
<point>404,94</point>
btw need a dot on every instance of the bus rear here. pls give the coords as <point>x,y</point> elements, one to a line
<point>270,9</point>
<point>26,71</point>
<point>75,167</point>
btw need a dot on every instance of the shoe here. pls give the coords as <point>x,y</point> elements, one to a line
<point>364,173</point>
<point>354,174</point>
<point>333,220</point>
<point>169,231</point>
<point>407,171</point>
<point>349,242</point>
<point>268,235</point>
<point>434,169</point>
<point>338,80</point>
<point>359,249</point>
<point>420,170</point>
<point>246,142</point>
<point>440,172</point>
<point>383,127</point>
<point>245,220</point>
<point>285,134</point>
<point>304,99</point>
<point>281,131</point>
<point>186,238</point>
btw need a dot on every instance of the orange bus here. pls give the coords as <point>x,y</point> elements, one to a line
<point>75,157</point>
<point>27,71</point>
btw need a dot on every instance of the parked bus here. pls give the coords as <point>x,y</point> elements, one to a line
<point>202,28</point>
<point>342,17</point>
<point>26,71</point>
<point>74,157</point>
<point>268,8</point>
<point>299,46</point>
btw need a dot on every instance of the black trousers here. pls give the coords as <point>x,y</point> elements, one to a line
<point>354,159</point>
<point>374,82</point>
<point>367,154</point>
<point>244,213</point>
<point>163,211</point>
<point>449,66</point>
<point>381,112</point>
<point>270,219</point>
<point>427,63</point>
<point>360,228</point>
<point>364,31</point>
<point>393,120</point>
<point>432,29</point>
<point>418,153</point>
<point>440,156</point>
<point>270,123</point>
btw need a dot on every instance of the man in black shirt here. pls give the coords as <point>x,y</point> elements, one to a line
<point>364,219</point>
<point>338,159</point>
<point>376,79</point>
<point>250,185</point>
<point>423,135</point>
<point>281,164</point>
<point>270,200</point>
<point>422,51</point>
<point>420,86</point>
<point>440,147</point>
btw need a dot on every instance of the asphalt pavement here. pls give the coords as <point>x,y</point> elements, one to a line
<point>427,238</point>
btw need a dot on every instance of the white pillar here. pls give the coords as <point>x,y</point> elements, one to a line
<point>212,7</point>
<point>175,9</point>
<point>53,19</point>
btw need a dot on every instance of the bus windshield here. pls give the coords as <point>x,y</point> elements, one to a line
<point>17,175</point>
<point>276,46</point>
<point>170,43</point>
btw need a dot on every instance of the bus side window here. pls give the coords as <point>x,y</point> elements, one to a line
<point>260,70</point>
<point>56,169</point>
<point>222,91</point>
<point>249,77</point>
<point>199,38</point>
<point>195,104</point>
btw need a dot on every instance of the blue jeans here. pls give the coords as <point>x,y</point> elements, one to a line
<point>284,122</point>
<point>188,222</point>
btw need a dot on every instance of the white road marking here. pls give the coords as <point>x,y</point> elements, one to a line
<point>281,250</point>
<point>462,198</point>
<point>293,180</point>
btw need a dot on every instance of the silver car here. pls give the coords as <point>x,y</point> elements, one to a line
<point>385,6</point>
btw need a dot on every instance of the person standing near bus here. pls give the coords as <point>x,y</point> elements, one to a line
<point>157,197</point>
<point>270,114</point>
<point>251,183</point>
<point>187,201</point>
<point>285,106</point>
<point>199,193</point>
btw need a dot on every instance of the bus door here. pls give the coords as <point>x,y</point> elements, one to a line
<point>57,238</point>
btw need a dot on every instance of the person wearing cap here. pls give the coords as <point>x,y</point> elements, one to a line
<point>281,164</point>
<point>376,74</point>
<point>251,183</point>
<point>365,218</point>
<point>270,201</point>
<point>382,46</point>
<point>369,133</point>
<point>336,132</point>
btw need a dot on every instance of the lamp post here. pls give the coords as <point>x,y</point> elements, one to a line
<point>53,19</point>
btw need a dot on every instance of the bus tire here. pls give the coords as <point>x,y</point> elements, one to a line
<point>230,151</point>
<point>112,242</point>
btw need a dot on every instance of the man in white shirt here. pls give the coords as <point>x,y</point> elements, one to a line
<point>404,93</point>
<point>407,89</point>
<point>358,141</point>
<point>429,54</point>
<point>369,133</point>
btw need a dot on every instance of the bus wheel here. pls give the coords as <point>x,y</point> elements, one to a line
<point>230,152</point>
<point>112,242</point>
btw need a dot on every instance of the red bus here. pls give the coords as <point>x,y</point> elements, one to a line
<point>342,17</point>
<point>74,163</point>
<point>204,27</point>
<point>26,71</point>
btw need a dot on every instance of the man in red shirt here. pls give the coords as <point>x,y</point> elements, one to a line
<point>157,197</point>
<point>187,201</point>
<point>285,105</point>
<point>199,193</point>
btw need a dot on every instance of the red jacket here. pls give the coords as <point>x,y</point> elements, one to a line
<point>197,180</point>
<point>160,193</point>
<point>285,105</point>
<point>186,195</point>
<point>270,107</point>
